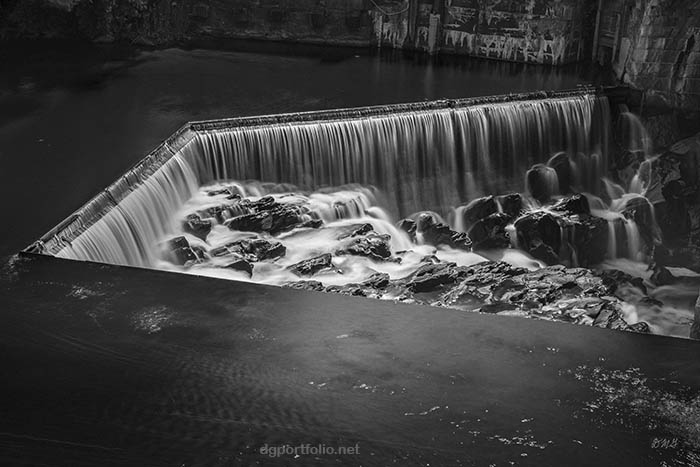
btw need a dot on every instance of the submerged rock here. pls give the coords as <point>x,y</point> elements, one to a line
<point>311,266</point>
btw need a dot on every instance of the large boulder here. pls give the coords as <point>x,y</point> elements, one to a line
<point>540,234</point>
<point>490,232</point>
<point>562,166</point>
<point>512,204</point>
<point>478,209</point>
<point>542,182</point>
<point>566,233</point>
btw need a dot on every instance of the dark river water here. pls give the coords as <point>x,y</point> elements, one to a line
<point>72,118</point>
<point>105,365</point>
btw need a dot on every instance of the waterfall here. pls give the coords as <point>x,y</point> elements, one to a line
<point>431,159</point>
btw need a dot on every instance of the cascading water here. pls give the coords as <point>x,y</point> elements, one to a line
<point>384,168</point>
<point>422,160</point>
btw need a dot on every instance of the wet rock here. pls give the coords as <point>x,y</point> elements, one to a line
<point>574,204</point>
<point>306,285</point>
<point>562,166</point>
<point>273,220</point>
<point>610,317</point>
<point>312,224</point>
<point>309,267</point>
<point>512,204</point>
<point>371,245</point>
<point>378,280</point>
<point>662,276</point>
<point>640,211</point>
<point>255,249</point>
<point>540,234</point>
<point>409,226</point>
<point>542,182</point>
<point>180,252</point>
<point>614,279</point>
<point>433,276</point>
<point>590,239</point>
<point>673,216</point>
<point>490,232</point>
<point>197,226</point>
<point>355,230</point>
<point>564,238</point>
<point>479,209</point>
<point>241,265</point>
<point>436,234</point>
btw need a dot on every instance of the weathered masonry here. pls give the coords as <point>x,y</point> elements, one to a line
<point>536,31</point>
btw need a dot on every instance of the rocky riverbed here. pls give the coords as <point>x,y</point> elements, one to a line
<point>341,242</point>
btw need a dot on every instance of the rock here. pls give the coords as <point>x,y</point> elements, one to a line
<point>409,226</point>
<point>672,214</point>
<point>639,210</point>
<point>562,166</point>
<point>590,239</point>
<point>431,277</point>
<point>613,279</point>
<point>255,250</point>
<point>197,226</point>
<point>662,276</point>
<point>478,209</point>
<point>306,285</point>
<point>539,233</point>
<point>312,224</point>
<point>512,204</point>
<point>436,234</point>
<point>311,266</point>
<point>371,245</point>
<point>272,220</point>
<point>490,232</point>
<point>355,231</point>
<point>378,280</point>
<point>574,204</point>
<point>610,317</point>
<point>564,238</point>
<point>542,182</point>
<point>180,252</point>
<point>241,265</point>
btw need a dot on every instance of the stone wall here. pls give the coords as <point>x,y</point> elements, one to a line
<point>658,50</point>
<point>535,31</point>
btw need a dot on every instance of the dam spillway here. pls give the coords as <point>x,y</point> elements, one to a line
<point>372,166</point>
<point>449,147</point>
